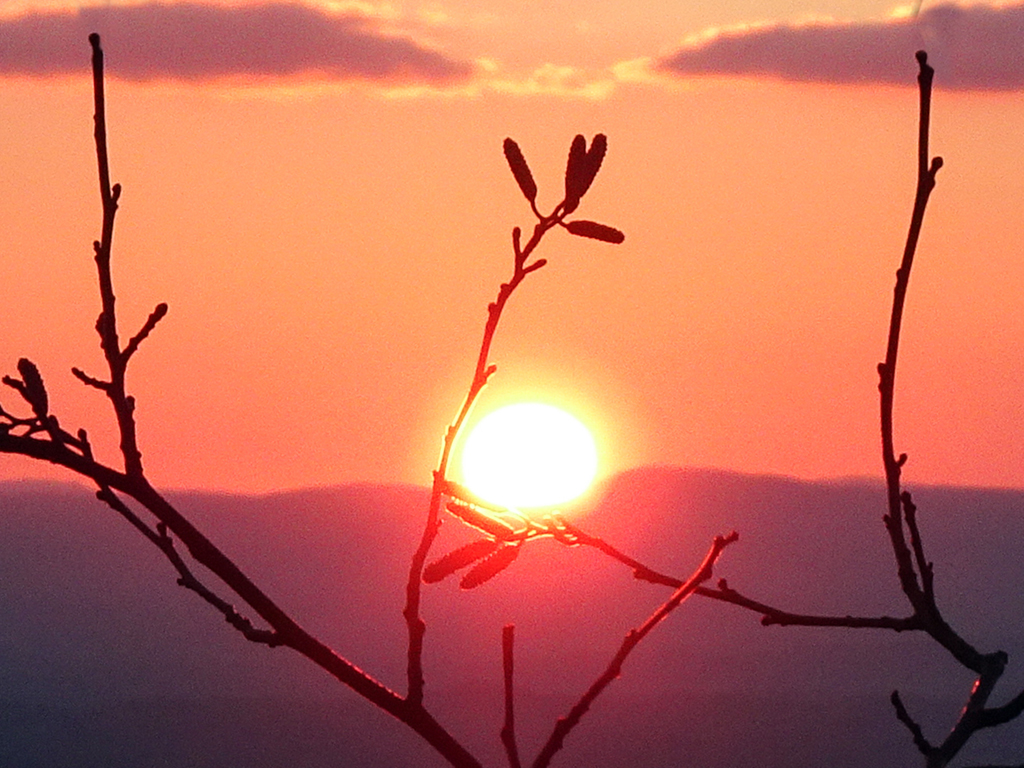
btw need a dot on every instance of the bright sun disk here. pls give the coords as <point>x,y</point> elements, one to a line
<point>529,455</point>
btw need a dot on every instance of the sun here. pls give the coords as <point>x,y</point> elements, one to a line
<point>529,455</point>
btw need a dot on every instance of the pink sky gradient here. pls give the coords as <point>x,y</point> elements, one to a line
<point>328,242</point>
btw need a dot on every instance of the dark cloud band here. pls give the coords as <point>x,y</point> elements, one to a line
<point>191,41</point>
<point>972,48</point>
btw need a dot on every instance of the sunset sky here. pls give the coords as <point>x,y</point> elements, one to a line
<point>318,192</point>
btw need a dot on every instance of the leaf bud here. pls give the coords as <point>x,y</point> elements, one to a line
<point>520,170</point>
<point>595,231</point>
<point>491,567</point>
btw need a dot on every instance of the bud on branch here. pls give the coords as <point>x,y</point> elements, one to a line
<point>520,170</point>
<point>595,231</point>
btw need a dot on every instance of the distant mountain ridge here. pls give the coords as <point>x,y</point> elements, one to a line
<point>102,655</point>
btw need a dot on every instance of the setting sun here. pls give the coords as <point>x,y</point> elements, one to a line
<point>529,455</point>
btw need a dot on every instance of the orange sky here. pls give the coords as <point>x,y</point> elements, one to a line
<point>328,249</point>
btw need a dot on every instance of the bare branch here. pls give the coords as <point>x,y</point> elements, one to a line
<point>416,628</point>
<point>132,483</point>
<point>973,715</point>
<point>106,325</point>
<point>925,568</point>
<point>773,616</point>
<point>769,615</point>
<point>186,578</point>
<point>508,730</point>
<point>155,317</point>
<point>916,733</point>
<point>887,370</point>
<point>103,386</point>
<point>1003,714</point>
<point>632,639</point>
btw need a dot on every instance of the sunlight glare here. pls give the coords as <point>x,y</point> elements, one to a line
<point>529,455</point>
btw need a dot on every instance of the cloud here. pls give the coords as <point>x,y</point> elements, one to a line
<point>978,47</point>
<point>553,80</point>
<point>195,42</point>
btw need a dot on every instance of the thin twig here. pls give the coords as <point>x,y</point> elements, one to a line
<point>775,617</point>
<point>508,729</point>
<point>106,324</point>
<point>925,568</point>
<point>415,626</point>
<point>724,593</point>
<point>640,571</point>
<point>926,171</point>
<point>911,561</point>
<point>915,730</point>
<point>89,381</point>
<point>132,483</point>
<point>186,578</point>
<point>632,639</point>
<point>155,317</point>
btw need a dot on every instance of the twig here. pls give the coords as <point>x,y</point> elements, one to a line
<point>916,733</point>
<point>580,172</point>
<point>155,317</point>
<point>1003,714</point>
<point>632,639</point>
<point>925,568</point>
<point>775,617</point>
<point>416,627</point>
<point>926,171</point>
<point>186,578</point>
<point>640,571</point>
<point>89,381</point>
<point>132,483</point>
<point>911,561</point>
<point>769,615</point>
<point>508,730</point>
<point>106,324</point>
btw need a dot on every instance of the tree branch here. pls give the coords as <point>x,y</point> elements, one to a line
<point>632,639</point>
<point>916,733</point>
<point>508,730</point>
<point>106,324</point>
<point>925,568</point>
<point>155,317</point>
<point>579,175</point>
<point>769,615</point>
<point>132,483</point>
<point>887,370</point>
<point>186,578</point>
<point>773,616</point>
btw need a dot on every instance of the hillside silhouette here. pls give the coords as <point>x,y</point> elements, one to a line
<point>105,662</point>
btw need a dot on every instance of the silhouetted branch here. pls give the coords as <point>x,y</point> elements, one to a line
<point>1002,714</point>
<point>186,578</point>
<point>632,639</point>
<point>916,733</point>
<point>18,436</point>
<point>724,593</point>
<point>926,171</point>
<point>640,571</point>
<point>155,317</point>
<point>106,324</point>
<point>925,568</point>
<point>508,730</point>
<point>773,616</point>
<point>578,180</point>
<point>89,381</point>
